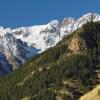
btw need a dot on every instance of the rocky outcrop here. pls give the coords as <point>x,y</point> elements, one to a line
<point>92,95</point>
<point>77,44</point>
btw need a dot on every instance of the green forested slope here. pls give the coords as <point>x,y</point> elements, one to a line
<point>65,71</point>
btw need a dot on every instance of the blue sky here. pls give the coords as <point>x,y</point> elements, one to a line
<point>16,13</point>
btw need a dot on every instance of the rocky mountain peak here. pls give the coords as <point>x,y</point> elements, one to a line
<point>19,44</point>
<point>67,21</point>
<point>54,23</point>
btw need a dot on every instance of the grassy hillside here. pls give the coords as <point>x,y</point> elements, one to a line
<point>64,72</point>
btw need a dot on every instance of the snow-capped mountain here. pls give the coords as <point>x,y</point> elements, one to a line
<point>18,45</point>
<point>86,18</point>
<point>13,52</point>
<point>41,36</point>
